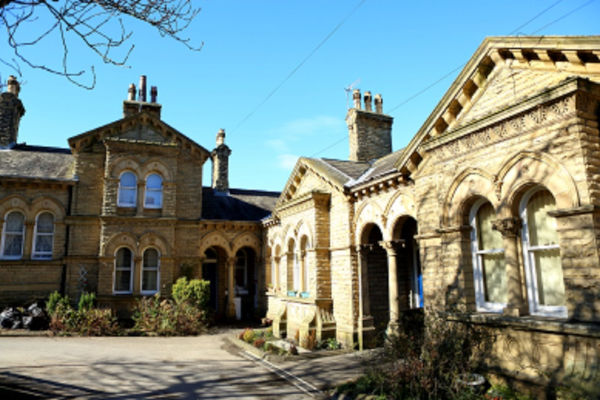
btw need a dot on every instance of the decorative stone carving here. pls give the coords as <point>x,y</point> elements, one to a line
<point>510,227</point>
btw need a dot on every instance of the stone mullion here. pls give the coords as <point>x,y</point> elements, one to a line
<point>510,229</point>
<point>136,275</point>
<point>28,240</point>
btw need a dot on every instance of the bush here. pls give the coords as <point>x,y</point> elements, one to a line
<point>248,335</point>
<point>195,292</point>
<point>153,316</point>
<point>259,343</point>
<point>86,320</point>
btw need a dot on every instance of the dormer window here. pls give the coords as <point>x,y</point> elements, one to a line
<point>153,195</point>
<point>127,190</point>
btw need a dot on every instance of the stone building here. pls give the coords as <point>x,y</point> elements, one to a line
<point>122,212</point>
<point>490,214</point>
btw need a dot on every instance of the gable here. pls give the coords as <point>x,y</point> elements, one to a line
<point>502,72</point>
<point>143,133</point>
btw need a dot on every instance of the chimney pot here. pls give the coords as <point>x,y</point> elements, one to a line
<point>13,85</point>
<point>378,104</point>
<point>220,137</point>
<point>131,92</point>
<point>368,105</point>
<point>356,97</point>
<point>143,88</point>
<point>153,94</point>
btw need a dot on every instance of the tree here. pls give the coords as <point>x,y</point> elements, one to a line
<point>95,24</point>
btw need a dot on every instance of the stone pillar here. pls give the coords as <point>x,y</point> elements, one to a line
<point>390,248</point>
<point>366,328</point>
<point>140,194</point>
<point>230,287</point>
<point>510,228</point>
<point>302,272</point>
<point>136,275</point>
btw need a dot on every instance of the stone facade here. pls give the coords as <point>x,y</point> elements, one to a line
<point>409,230</point>
<point>129,190</point>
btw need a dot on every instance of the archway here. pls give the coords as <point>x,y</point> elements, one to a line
<point>376,299</point>
<point>245,281</point>
<point>410,277</point>
<point>214,270</point>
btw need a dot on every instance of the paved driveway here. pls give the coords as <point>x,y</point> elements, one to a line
<point>204,367</point>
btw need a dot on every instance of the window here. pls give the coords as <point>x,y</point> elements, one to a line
<point>541,253</point>
<point>241,272</point>
<point>44,236</point>
<point>150,271</point>
<point>489,267</point>
<point>13,235</point>
<point>153,196</point>
<point>123,269</point>
<point>127,190</point>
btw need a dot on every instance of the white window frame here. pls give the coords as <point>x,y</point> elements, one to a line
<point>4,233</point>
<point>481,304</point>
<point>43,255</point>
<point>535,308</point>
<point>120,203</point>
<point>157,269</point>
<point>131,268</point>
<point>153,190</point>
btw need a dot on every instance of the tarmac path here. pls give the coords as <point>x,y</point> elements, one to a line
<point>201,367</point>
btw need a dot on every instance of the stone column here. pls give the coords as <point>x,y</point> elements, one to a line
<point>390,248</point>
<point>230,287</point>
<point>366,329</point>
<point>510,228</point>
<point>302,272</point>
<point>139,201</point>
<point>136,274</point>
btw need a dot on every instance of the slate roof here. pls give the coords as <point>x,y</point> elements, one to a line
<point>238,204</point>
<point>380,167</point>
<point>37,162</point>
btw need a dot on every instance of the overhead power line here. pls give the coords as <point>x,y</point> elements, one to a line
<point>297,67</point>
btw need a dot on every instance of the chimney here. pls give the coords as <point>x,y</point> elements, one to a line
<point>220,164</point>
<point>11,111</point>
<point>370,132</point>
<point>131,106</point>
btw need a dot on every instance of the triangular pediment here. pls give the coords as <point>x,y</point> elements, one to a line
<point>504,71</point>
<point>142,128</point>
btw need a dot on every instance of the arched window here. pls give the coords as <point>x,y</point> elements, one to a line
<point>13,235</point>
<point>303,264</point>
<point>541,253</point>
<point>150,271</point>
<point>489,266</point>
<point>153,195</point>
<point>275,267</point>
<point>123,271</point>
<point>241,272</point>
<point>44,236</point>
<point>127,190</point>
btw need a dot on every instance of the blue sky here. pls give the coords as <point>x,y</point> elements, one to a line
<point>395,48</point>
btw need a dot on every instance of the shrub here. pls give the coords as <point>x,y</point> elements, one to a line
<point>54,300</point>
<point>248,335</point>
<point>86,301</point>
<point>164,317</point>
<point>195,292</point>
<point>259,343</point>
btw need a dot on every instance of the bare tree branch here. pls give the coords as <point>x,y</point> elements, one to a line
<point>96,24</point>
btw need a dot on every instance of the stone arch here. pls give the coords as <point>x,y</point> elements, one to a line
<point>118,240</point>
<point>469,184</point>
<point>152,239</point>
<point>399,206</point>
<point>155,165</point>
<point>124,164</point>
<point>368,213</point>
<point>303,229</point>
<point>527,169</point>
<point>215,239</point>
<point>14,203</point>
<point>46,203</point>
<point>246,239</point>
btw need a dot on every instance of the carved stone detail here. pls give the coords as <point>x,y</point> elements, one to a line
<point>510,227</point>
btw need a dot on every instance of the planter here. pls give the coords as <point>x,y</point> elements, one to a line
<point>292,293</point>
<point>304,295</point>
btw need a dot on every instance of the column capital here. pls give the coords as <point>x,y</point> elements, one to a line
<point>392,246</point>
<point>509,227</point>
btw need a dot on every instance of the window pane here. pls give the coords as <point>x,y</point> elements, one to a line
<point>14,222</point>
<point>126,196</point>
<point>153,198</point>
<point>154,182</point>
<point>151,258</point>
<point>13,245</point>
<point>45,223</point>
<point>542,227</point>
<point>551,288</point>
<point>128,179</point>
<point>122,281</point>
<point>124,258</point>
<point>488,238</point>
<point>494,276</point>
<point>149,280</point>
<point>43,244</point>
